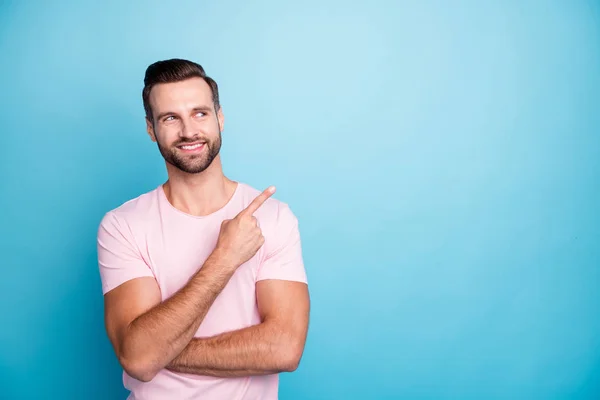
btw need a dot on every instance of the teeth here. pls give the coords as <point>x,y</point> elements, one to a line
<point>192,147</point>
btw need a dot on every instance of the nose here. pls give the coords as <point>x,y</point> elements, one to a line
<point>187,129</point>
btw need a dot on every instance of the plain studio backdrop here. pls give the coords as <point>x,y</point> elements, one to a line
<point>443,159</point>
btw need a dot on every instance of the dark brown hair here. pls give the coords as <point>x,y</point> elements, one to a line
<point>174,70</point>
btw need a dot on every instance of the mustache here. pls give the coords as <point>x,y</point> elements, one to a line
<point>192,140</point>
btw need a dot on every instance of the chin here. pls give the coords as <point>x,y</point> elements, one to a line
<point>193,168</point>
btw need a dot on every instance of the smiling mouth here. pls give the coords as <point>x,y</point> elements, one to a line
<point>192,146</point>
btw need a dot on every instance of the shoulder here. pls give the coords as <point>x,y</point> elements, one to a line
<point>134,212</point>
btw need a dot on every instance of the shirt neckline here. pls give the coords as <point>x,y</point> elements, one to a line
<point>164,198</point>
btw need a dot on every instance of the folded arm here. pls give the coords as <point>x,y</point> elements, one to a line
<point>274,345</point>
<point>147,333</point>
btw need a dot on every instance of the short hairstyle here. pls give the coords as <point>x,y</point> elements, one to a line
<point>174,70</point>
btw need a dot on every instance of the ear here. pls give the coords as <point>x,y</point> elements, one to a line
<point>221,118</point>
<point>150,130</point>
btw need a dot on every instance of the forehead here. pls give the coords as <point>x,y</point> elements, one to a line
<point>182,95</point>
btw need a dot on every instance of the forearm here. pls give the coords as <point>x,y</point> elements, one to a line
<point>160,334</point>
<point>221,373</point>
<point>257,350</point>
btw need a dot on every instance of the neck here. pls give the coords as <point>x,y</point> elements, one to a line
<point>199,194</point>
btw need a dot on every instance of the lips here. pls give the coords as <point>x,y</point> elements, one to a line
<point>192,146</point>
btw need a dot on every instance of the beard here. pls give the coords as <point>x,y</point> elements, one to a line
<point>191,163</point>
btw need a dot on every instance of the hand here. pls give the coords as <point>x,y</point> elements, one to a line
<point>240,237</point>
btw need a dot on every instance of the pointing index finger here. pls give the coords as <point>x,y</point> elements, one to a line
<point>259,201</point>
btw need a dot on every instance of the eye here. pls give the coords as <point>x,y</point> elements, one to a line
<point>169,118</point>
<point>200,114</point>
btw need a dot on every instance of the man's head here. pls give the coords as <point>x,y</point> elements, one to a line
<point>183,114</point>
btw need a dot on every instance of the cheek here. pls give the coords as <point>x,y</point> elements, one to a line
<point>167,135</point>
<point>204,125</point>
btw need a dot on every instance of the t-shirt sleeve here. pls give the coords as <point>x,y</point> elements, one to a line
<point>283,252</point>
<point>118,258</point>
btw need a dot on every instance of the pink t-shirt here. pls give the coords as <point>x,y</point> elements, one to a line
<point>147,236</point>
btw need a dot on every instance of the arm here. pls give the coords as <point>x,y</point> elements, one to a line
<point>275,345</point>
<point>147,334</point>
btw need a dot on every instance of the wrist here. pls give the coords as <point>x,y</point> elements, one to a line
<point>214,273</point>
<point>220,259</point>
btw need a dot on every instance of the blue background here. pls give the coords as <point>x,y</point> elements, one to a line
<point>443,159</point>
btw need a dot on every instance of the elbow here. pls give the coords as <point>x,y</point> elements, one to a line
<point>138,369</point>
<point>290,366</point>
<point>144,375</point>
<point>290,357</point>
<point>136,362</point>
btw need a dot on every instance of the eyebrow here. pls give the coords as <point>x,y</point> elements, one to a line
<point>196,109</point>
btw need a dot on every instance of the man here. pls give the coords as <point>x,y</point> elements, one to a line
<point>203,279</point>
